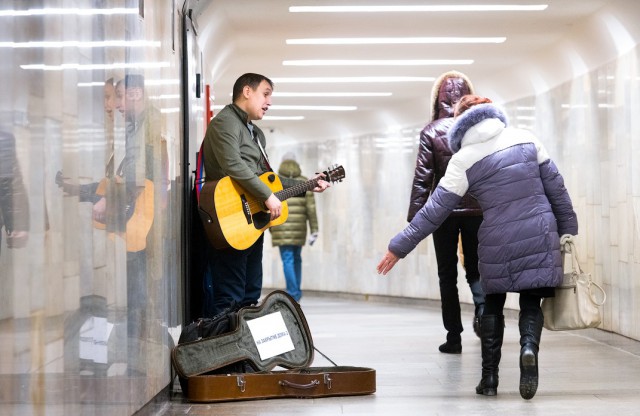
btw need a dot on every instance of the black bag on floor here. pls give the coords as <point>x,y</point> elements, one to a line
<point>224,322</point>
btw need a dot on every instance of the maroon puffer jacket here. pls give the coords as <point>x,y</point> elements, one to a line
<point>434,152</point>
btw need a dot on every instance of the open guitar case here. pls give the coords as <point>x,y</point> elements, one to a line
<point>198,362</point>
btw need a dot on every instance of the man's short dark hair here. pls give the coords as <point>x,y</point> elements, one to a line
<point>134,81</point>
<point>250,79</point>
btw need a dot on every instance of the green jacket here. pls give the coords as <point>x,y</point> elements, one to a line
<point>229,150</point>
<point>302,210</point>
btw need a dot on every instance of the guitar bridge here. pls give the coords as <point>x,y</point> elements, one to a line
<point>246,209</point>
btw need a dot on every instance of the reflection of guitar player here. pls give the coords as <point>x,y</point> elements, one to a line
<point>145,163</point>
<point>233,146</point>
<point>123,202</point>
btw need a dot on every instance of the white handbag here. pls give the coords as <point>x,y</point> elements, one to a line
<point>575,305</point>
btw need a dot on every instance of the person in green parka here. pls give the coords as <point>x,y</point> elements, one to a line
<point>290,236</point>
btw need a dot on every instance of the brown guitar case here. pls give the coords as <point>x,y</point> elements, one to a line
<point>195,360</point>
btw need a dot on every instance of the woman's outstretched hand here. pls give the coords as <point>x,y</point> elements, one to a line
<point>386,264</point>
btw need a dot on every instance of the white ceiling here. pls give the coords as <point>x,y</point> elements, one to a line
<point>239,36</point>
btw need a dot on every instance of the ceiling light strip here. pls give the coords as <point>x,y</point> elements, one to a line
<point>304,107</point>
<point>315,107</point>
<point>377,62</point>
<point>286,118</point>
<point>68,11</point>
<point>394,41</point>
<point>420,8</point>
<point>147,82</point>
<point>331,94</point>
<point>328,80</point>
<point>78,44</point>
<point>89,67</point>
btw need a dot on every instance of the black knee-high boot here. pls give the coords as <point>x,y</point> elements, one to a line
<point>530,324</point>
<point>491,335</point>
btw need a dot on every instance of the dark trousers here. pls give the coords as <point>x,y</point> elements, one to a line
<point>237,276</point>
<point>445,241</point>
<point>529,303</point>
<point>137,295</point>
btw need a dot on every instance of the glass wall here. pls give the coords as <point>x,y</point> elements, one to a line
<point>90,210</point>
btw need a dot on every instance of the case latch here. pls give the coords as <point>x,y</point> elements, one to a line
<point>327,381</point>
<point>241,383</point>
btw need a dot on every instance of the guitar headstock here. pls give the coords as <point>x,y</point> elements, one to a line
<point>334,173</point>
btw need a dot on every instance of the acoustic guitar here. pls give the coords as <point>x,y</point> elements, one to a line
<point>232,217</point>
<point>138,214</point>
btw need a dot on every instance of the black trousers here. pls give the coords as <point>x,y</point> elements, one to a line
<point>237,276</point>
<point>529,303</point>
<point>445,241</point>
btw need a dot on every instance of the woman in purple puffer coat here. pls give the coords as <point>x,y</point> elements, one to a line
<point>526,210</point>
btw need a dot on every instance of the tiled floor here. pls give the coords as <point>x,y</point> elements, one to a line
<point>587,372</point>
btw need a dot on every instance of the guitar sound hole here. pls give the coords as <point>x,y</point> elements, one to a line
<point>261,219</point>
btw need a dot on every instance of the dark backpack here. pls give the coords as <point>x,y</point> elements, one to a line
<point>222,323</point>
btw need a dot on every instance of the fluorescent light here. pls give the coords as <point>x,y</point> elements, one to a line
<point>164,97</point>
<point>174,81</point>
<point>89,67</point>
<point>78,44</point>
<point>327,80</point>
<point>170,110</point>
<point>91,84</point>
<point>419,8</point>
<point>331,94</point>
<point>68,11</point>
<point>393,41</point>
<point>377,62</point>
<point>572,106</point>
<point>315,107</point>
<point>305,107</point>
<point>276,118</point>
<point>147,82</point>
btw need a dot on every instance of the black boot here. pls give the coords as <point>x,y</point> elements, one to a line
<point>530,324</point>
<point>492,332</point>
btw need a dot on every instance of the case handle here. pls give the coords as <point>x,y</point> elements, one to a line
<point>311,385</point>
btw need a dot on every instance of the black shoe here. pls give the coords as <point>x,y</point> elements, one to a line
<point>450,348</point>
<point>528,371</point>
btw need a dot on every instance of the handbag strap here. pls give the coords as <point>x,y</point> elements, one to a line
<point>591,295</point>
<point>569,247</point>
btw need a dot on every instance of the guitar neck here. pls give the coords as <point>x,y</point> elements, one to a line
<point>296,189</point>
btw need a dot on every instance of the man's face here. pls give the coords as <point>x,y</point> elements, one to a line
<point>109,99</point>
<point>133,97</point>
<point>120,97</point>
<point>258,100</point>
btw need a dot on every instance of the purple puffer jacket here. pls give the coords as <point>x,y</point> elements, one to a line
<point>525,204</point>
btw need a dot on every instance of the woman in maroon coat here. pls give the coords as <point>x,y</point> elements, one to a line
<point>465,219</point>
